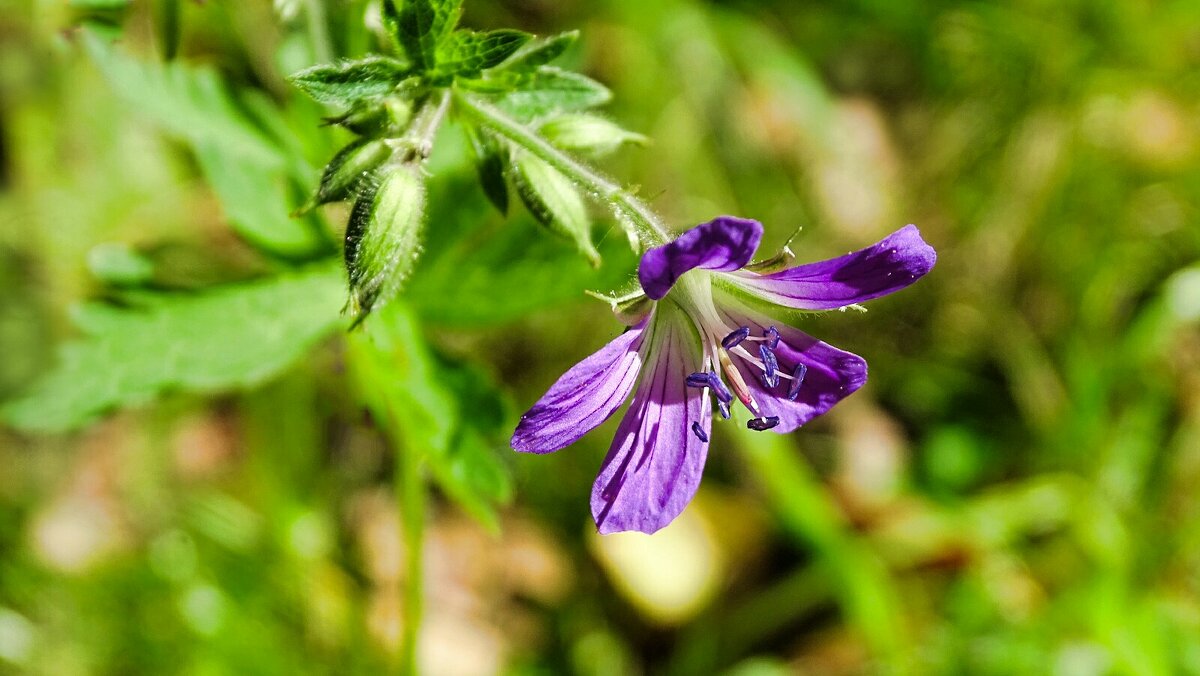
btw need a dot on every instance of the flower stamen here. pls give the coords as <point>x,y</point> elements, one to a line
<point>770,365</point>
<point>735,338</point>
<point>797,380</point>
<point>696,429</point>
<point>762,424</point>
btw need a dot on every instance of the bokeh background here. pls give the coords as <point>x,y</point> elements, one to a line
<point>1013,492</point>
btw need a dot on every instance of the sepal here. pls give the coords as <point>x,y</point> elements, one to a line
<point>347,170</point>
<point>554,201</point>
<point>590,135</point>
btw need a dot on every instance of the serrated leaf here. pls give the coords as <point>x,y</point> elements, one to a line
<point>466,53</point>
<point>421,25</point>
<point>383,237</point>
<point>490,165</point>
<point>448,413</point>
<point>226,338</point>
<point>540,52</point>
<point>347,82</point>
<point>554,201</point>
<point>587,134</point>
<point>542,92</point>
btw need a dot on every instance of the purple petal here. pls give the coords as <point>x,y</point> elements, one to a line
<point>654,465</point>
<point>724,243</point>
<point>831,374</point>
<point>585,396</point>
<point>887,266</point>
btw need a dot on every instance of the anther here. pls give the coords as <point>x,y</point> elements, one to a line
<point>724,408</point>
<point>772,335</point>
<point>735,338</point>
<point>797,380</point>
<point>699,380</point>
<point>699,432</point>
<point>770,366</point>
<point>762,424</point>
<point>719,388</point>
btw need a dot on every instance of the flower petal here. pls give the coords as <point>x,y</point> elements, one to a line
<point>832,374</point>
<point>724,243</point>
<point>585,396</point>
<point>889,265</point>
<point>654,465</point>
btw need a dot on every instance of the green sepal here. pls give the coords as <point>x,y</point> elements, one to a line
<point>347,82</point>
<point>467,53</point>
<point>348,168</point>
<point>588,134</point>
<point>375,117</point>
<point>629,308</point>
<point>490,161</point>
<point>780,261</point>
<point>554,201</point>
<point>383,237</point>
<point>540,52</point>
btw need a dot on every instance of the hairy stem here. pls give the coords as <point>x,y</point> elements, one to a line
<point>417,141</point>
<point>647,227</point>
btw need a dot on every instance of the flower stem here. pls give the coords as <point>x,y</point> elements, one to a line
<point>417,142</point>
<point>647,227</point>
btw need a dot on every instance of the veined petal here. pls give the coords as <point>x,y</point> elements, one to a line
<point>654,465</point>
<point>585,396</point>
<point>724,244</point>
<point>889,265</point>
<point>831,376</point>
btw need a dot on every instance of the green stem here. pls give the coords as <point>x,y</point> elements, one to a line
<point>417,142</point>
<point>648,228</point>
<point>411,487</point>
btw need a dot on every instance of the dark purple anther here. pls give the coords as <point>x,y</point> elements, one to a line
<point>719,388</point>
<point>797,381</point>
<point>699,380</point>
<point>770,365</point>
<point>772,335</point>
<point>724,408</point>
<point>762,424</point>
<point>734,339</point>
<point>699,432</point>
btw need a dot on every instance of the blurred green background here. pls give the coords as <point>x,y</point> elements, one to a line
<point>1013,492</point>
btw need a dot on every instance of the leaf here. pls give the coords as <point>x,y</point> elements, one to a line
<point>588,134</point>
<point>554,201</point>
<point>421,25</point>
<point>248,171</point>
<point>348,82</point>
<point>466,53</point>
<point>226,338</point>
<point>490,165</point>
<point>545,91</point>
<point>541,51</point>
<point>449,413</point>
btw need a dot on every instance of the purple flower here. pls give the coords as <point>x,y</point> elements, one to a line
<point>711,333</point>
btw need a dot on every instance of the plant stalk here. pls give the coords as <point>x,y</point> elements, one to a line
<point>647,228</point>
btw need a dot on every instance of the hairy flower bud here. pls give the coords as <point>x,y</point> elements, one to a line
<point>347,169</point>
<point>383,237</point>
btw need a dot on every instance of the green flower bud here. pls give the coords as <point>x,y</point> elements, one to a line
<point>554,201</point>
<point>588,134</point>
<point>383,237</point>
<point>347,169</point>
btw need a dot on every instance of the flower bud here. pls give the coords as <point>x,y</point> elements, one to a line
<point>383,237</point>
<point>588,134</point>
<point>347,169</point>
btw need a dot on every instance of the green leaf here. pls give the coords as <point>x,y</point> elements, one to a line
<point>348,82</point>
<point>249,172</point>
<point>542,92</point>
<point>490,165</point>
<point>421,25</point>
<point>590,135</point>
<point>451,414</point>
<point>541,51</point>
<point>229,337</point>
<point>383,237</point>
<point>466,53</point>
